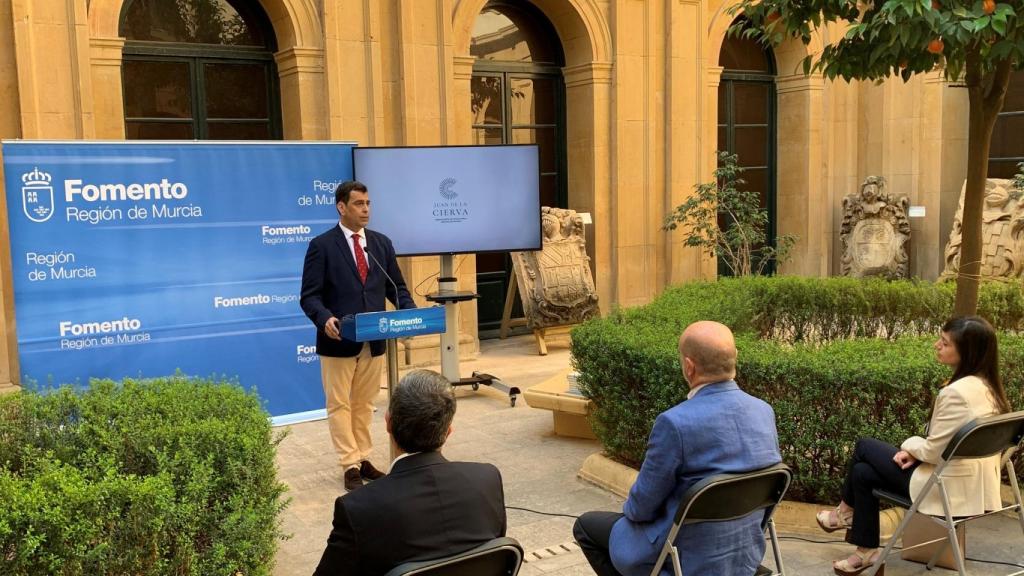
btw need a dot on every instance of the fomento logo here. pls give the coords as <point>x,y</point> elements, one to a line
<point>382,325</point>
<point>37,195</point>
<point>222,302</point>
<point>68,328</point>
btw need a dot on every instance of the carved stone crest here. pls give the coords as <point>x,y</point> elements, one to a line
<point>874,232</point>
<point>1002,233</point>
<point>555,284</point>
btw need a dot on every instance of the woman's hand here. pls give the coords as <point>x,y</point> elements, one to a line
<point>904,460</point>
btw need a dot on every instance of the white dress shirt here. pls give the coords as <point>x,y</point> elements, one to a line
<point>399,457</point>
<point>348,238</point>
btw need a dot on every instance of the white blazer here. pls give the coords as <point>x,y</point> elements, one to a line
<point>972,485</point>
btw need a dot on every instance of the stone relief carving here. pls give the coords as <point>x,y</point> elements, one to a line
<point>555,284</point>
<point>874,232</point>
<point>1002,233</point>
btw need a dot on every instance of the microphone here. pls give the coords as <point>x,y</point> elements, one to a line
<point>385,272</point>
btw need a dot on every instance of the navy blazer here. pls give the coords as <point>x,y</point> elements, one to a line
<point>722,429</point>
<point>331,286</point>
<point>425,508</point>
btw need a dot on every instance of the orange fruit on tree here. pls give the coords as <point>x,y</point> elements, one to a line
<point>936,5</point>
<point>988,6</point>
<point>936,46</point>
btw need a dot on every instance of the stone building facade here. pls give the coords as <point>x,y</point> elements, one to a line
<point>644,92</point>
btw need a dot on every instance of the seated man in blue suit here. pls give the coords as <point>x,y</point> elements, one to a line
<point>718,429</point>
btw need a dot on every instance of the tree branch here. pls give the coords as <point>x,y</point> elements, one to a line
<point>997,88</point>
<point>973,76</point>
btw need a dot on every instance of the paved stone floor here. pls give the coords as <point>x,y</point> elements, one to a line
<point>539,472</point>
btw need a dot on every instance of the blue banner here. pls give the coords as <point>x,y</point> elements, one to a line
<point>142,259</point>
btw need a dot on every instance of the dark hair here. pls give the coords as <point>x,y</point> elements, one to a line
<point>342,192</point>
<point>975,342</point>
<point>421,410</point>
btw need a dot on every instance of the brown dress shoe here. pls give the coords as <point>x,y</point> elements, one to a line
<point>367,471</point>
<point>353,480</point>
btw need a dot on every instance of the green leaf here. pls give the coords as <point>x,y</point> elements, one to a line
<point>999,26</point>
<point>967,25</point>
<point>981,23</point>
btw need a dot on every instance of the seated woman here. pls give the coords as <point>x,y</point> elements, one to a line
<point>968,346</point>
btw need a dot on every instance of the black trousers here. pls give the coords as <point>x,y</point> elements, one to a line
<point>592,531</point>
<point>871,467</point>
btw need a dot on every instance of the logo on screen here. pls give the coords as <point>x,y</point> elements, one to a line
<point>382,325</point>
<point>447,188</point>
<point>37,195</point>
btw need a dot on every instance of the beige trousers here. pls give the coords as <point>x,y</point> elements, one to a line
<point>351,385</point>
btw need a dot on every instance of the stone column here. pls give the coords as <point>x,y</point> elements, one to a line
<point>803,207</point>
<point>352,40</point>
<point>105,57</point>
<point>589,151</point>
<point>54,87</point>
<point>691,110</point>
<point>943,162</point>
<point>303,112</point>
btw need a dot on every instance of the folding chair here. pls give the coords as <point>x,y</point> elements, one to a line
<point>728,497</point>
<point>499,557</point>
<point>978,438</point>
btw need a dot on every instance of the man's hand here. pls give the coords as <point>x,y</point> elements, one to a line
<point>333,328</point>
<point>904,460</point>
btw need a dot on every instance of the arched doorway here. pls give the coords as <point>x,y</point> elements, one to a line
<point>747,120</point>
<point>517,97</point>
<point>199,69</point>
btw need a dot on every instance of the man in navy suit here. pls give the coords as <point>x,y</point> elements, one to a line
<point>718,429</point>
<point>348,270</point>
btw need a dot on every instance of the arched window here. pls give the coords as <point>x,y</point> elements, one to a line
<point>1007,149</point>
<point>746,118</point>
<point>517,97</point>
<point>199,69</point>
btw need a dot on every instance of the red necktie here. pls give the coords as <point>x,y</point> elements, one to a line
<point>360,258</point>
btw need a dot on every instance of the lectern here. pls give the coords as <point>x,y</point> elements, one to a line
<point>390,325</point>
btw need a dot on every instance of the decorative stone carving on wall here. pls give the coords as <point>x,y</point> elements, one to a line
<point>555,284</point>
<point>1002,233</point>
<point>874,233</point>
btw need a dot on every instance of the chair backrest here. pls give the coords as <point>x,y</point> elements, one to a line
<point>730,496</point>
<point>499,557</point>
<point>983,437</point>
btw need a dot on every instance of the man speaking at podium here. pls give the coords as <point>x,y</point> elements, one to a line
<point>350,270</point>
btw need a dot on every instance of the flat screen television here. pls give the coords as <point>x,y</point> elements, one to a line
<point>453,199</point>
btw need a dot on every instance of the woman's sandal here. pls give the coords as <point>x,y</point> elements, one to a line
<point>843,568</point>
<point>832,520</point>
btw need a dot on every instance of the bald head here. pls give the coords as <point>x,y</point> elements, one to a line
<point>710,349</point>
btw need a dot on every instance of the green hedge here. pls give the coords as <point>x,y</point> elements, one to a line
<point>166,476</point>
<point>827,383</point>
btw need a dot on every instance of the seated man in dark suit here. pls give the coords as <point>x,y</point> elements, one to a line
<point>426,507</point>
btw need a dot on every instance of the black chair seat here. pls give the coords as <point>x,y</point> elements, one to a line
<point>499,557</point>
<point>901,501</point>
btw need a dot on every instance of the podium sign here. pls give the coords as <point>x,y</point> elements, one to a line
<point>393,324</point>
